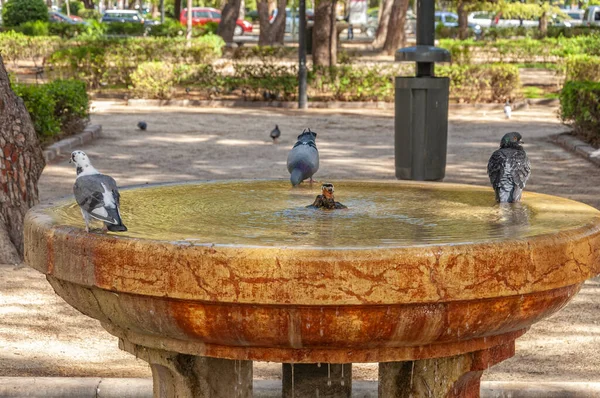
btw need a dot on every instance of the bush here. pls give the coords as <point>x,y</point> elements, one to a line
<point>34,28</point>
<point>74,7</point>
<point>16,12</point>
<point>66,30</point>
<point>583,67</point>
<point>60,106</point>
<point>153,80</point>
<point>125,29</point>
<point>580,105</point>
<point>89,14</point>
<point>475,83</point>
<point>16,46</point>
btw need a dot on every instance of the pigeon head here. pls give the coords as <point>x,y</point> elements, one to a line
<point>307,135</point>
<point>511,140</point>
<point>327,189</point>
<point>81,161</point>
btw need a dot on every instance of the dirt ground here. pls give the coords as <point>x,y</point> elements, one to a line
<point>40,335</point>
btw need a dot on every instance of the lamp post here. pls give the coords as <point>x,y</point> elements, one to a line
<point>421,102</point>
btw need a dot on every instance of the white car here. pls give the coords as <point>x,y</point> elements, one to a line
<point>592,16</point>
<point>481,18</point>
<point>576,16</point>
<point>501,22</point>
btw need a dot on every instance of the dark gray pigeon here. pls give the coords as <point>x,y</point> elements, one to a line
<point>509,169</point>
<point>303,159</point>
<point>275,133</point>
<point>96,194</point>
<point>142,125</point>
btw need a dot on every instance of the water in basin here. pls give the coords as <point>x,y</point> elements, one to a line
<point>388,214</point>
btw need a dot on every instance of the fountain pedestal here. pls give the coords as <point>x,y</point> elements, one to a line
<point>433,281</point>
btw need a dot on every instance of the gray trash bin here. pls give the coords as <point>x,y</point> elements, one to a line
<point>421,127</point>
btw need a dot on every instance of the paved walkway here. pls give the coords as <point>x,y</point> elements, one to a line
<point>40,335</point>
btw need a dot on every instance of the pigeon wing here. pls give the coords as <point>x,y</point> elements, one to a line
<point>98,195</point>
<point>520,167</point>
<point>496,167</point>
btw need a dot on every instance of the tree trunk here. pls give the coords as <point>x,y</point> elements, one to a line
<point>21,165</point>
<point>242,13</point>
<point>87,4</point>
<point>271,33</point>
<point>177,10</point>
<point>229,16</point>
<point>384,20</point>
<point>324,40</point>
<point>544,24</point>
<point>463,22</point>
<point>396,36</point>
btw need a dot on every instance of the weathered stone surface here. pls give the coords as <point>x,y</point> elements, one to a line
<point>317,380</point>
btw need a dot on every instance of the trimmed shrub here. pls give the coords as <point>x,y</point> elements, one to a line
<point>583,67</point>
<point>75,7</point>
<point>16,12</point>
<point>580,106</point>
<point>34,28</point>
<point>16,46</point>
<point>153,80</point>
<point>89,14</point>
<point>57,108</point>
<point>475,83</point>
<point>66,30</point>
<point>125,29</point>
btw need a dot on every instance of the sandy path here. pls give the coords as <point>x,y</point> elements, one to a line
<point>41,335</point>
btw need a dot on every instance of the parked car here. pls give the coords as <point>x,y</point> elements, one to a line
<point>204,15</point>
<point>56,16</point>
<point>450,20</point>
<point>501,22</point>
<point>576,16</point>
<point>591,17</point>
<point>481,18</point>
<point>122,16</point>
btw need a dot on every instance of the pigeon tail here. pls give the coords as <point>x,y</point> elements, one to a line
<point>297,176</point>
<point>116,228</point>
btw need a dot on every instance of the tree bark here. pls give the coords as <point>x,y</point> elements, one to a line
<point>463,22</point>
<point>21,165</point>
<point>87,4</point>
<point>396,36</point>
<point>177,9</point>
<point>271,33</point>
<point>544,24</point>
<point>324,40</point>
<point>229,16</point>
<point>384,20</point>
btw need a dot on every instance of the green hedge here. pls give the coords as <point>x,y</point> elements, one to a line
<point>582,68</point>
<point>16,12</point>
<point>16,46</point>
<point>523,50</point>
<point>580,105</point>
<point>475,83</point>
<point>112,61</point>
<point>57,108</point>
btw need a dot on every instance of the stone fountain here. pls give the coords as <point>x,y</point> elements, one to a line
<point>433,281</point>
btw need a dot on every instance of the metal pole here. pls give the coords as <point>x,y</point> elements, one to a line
<point>425,33</point>
<point>302,97</point>
<point>162,11</point>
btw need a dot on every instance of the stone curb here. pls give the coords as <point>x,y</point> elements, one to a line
<point>95,387</point>
<point>577,146</point>
<point>66,145</point>
<point>319,104</point>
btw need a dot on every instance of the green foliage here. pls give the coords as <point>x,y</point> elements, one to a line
<point>125,29</point>
<point>172,28</point>
<point>74,7</point>
<point>16,12</point>
<point>34,28</point>
<point>350,83</point>
<point>16,46</point>
<point>580,105</point>
<point>55,108</point>
<point>583,67</point>
<point>67,30</point>
<point>113,60</point>
<point>153,80</point>
<point>476,83</point>
<point>211,27</point>
<point>89,14</point>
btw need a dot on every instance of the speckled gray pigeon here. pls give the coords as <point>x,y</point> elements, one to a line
<point>96,194</point>
<point>303,159</point>
<point>509,169</point>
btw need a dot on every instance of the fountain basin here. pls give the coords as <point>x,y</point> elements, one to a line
<point>241,270</point>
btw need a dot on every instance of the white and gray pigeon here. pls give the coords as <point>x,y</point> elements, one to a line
<point>303,159</point>
<point>96,194</point>
<point>507,109</point>
<point>509,169</point>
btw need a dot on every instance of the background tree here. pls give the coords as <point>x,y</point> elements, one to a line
<point>16,12</point>
<point>382,28</point>
<point>21,165</point>
<point>271,33</point>
<point>396,35</point>
<point>229,16</point>
<point>324,49</point>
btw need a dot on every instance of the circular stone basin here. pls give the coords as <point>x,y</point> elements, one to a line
<point>243,270</point>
